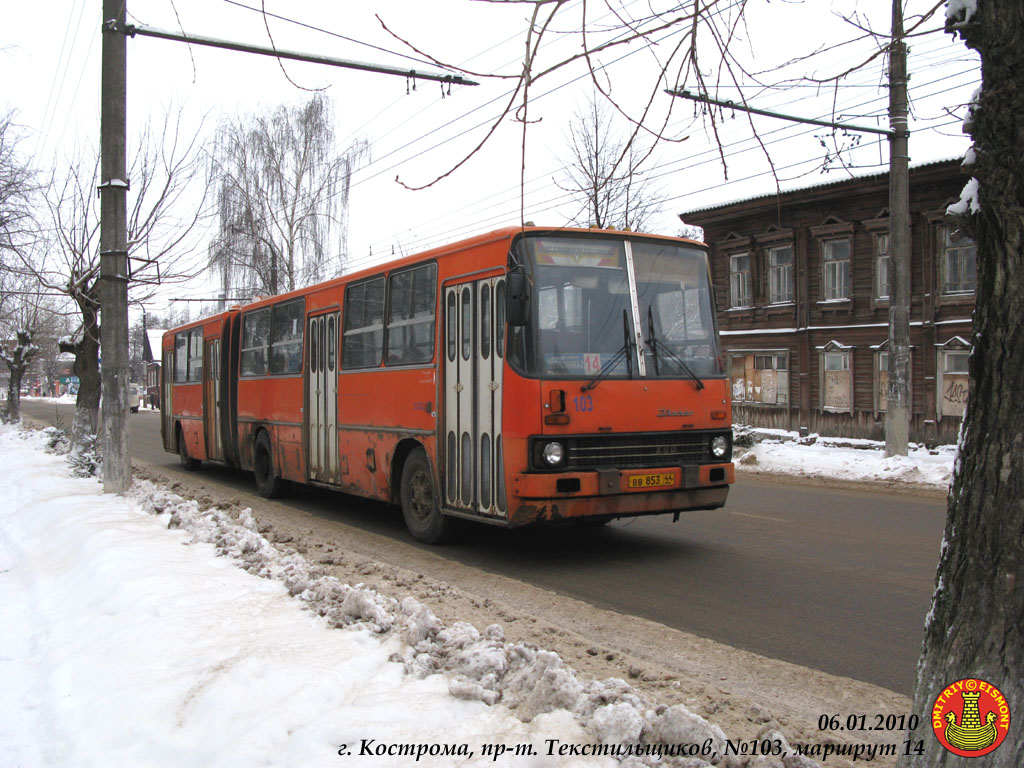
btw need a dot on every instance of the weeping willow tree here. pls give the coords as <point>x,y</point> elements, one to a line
<point>283,192</point>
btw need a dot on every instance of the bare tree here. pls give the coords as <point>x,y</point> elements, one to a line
<point>976,626</point>
<point>17,186</point>
<point>165,207</point>
<point>605,172</point>
<point>29,323</point>
<point>283,192</point>
<point>17,354</point>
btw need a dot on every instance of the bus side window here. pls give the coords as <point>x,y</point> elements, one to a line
<point>286,337</point>
<point>412,296</point>
<point>363,329</point>
<point>255,340</point>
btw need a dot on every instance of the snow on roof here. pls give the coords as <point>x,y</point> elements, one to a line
<point>795,190</point>
<point>155,337</point>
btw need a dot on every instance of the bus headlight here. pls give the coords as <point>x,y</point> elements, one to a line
<point>719,446</point>
<point>553,453</point>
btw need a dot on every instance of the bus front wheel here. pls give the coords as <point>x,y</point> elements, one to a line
<point>269,485</point>
<point>187,461</point>
<point>420,506</point>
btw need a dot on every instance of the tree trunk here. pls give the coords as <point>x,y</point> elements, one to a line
<point>87,369</point>
<point>17,363</point>
<point>14,395</point>
<point>976,625</point>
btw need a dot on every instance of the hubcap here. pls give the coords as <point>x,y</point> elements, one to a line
<point>421,496</point>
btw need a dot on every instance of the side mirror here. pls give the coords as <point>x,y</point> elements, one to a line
<point>517,297</point>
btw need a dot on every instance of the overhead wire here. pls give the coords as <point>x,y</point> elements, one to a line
<point>711,154</point>
<point>433,132</point>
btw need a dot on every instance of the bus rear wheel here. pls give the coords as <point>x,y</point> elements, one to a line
<point>268,484</point>
<point>187,461</point>
<point>420,506</point>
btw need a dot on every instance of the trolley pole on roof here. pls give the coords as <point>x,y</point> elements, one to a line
<point>113,189</point>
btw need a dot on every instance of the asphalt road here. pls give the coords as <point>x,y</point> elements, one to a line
<point>836,580</point>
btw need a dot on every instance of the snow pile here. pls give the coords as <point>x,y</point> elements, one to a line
<point>120,646</point>
<point>478,666</point>
<point>846,458</point>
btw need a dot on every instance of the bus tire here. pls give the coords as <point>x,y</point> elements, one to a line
<point>187,461</point>
<point>420,507</point>
<point>268,484</point>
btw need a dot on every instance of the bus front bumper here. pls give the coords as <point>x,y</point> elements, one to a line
<point>539,497</point>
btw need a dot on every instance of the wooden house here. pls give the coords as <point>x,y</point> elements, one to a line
<point>802,286</point>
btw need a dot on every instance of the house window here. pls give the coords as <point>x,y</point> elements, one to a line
<point>837,381</point>
<point>836,270</point>
<point>882,379</point>
<point>882,267</point>
<point>954,382</point>
<point>957,262</point>
<point>739,280</point>
<point>882,382</point>
<point>760,377</point>
<point>780,275</point>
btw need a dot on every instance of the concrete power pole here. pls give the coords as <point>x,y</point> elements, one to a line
<point>897,414</point>
<point>113,189</point>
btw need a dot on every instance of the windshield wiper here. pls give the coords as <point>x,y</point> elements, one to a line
<point>624,352</point>
<point>653,343</point>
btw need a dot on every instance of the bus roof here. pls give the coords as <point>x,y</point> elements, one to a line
<point>494,236</point>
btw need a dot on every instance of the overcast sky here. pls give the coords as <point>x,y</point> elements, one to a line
<point>49,64</point>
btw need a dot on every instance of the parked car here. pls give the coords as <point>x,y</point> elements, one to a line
<point>136,394</point>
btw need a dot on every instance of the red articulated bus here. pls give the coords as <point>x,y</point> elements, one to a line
<point>526,375</point>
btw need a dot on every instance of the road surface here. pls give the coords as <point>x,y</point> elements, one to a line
<point>835,580</point>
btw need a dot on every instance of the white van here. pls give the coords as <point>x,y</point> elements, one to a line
<point>136,395</point>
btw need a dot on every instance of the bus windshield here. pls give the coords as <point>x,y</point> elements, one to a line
<point>584,320</point>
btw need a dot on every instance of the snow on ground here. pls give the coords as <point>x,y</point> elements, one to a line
<point>143,630</point>
<point>781,452</point>
<point>130,637</point>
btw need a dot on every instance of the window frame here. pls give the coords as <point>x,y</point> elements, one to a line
<point>747,299</point>
<point>842,270</point>
<point>413,320</point>
<point>959,247</point>
<point>760,360</point>
<point>786,270</point>
<point>291,343</point>
<point>844,354</point>
<point>946,379</point>
<point>192,371</point>
<point>882,257</point>
<point>269,341</point>
<point>349,332</point>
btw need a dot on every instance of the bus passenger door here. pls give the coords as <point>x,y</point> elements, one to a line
<point>166,409</point>
<point>211,401</point>
<point>322,398</point>
<point>474,354</point>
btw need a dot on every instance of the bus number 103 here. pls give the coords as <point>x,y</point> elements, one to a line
<point>583,403</point>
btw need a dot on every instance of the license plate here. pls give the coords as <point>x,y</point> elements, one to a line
<point>651,480</point>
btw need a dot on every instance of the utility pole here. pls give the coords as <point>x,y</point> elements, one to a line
<point>897,412</point>
<point>113,189</point>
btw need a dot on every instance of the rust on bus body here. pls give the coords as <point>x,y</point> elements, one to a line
<point>387,410</point>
